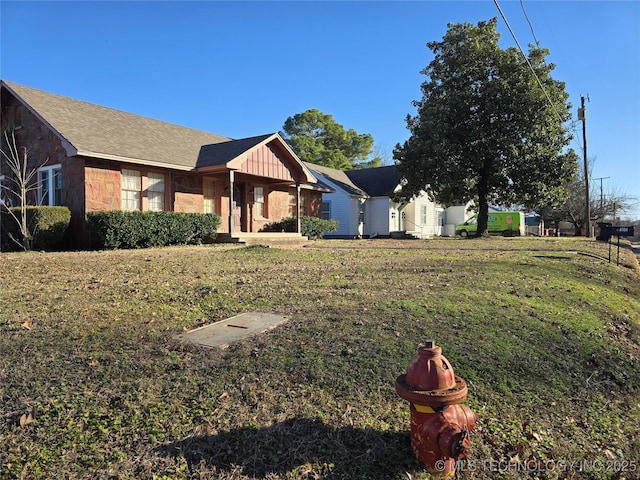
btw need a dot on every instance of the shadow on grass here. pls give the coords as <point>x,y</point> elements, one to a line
<point>299,446</point>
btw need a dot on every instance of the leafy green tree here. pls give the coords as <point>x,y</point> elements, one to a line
<point>486,131</point>
<point>317,138</point>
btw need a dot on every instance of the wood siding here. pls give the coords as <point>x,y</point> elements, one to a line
<point>264,162</point>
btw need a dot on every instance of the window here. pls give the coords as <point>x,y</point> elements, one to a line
<point>258,202</point>
<point>155,192</point>
<point>423,214</point>
<point>209,194</point>
<point>292,204</point>
<point>303,204</point>
<point>131,187</point>
<point>326,210</point>
<point>3,195</point>
<point>50,185</point>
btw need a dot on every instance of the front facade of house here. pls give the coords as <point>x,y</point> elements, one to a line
<point>91,158</point>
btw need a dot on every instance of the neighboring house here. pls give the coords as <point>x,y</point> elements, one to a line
<point>363,204</point>
<point>346,204</point>
<point>97,158</point>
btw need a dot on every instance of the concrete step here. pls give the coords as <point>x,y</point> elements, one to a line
<point>263,238</point>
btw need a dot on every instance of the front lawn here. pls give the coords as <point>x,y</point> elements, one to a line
<point>94,384</point>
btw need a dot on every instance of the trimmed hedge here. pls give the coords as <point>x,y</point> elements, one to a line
<point>312,227</point>
<point>117,229</point>
<point>47,227</point>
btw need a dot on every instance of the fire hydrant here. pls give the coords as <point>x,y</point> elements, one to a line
<point>440,425</point>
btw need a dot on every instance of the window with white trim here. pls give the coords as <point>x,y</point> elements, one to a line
<point>209,194</point>
<point>3,195</point>
<point>292,205</point>
<point>258,202</point>
<point>50,185</point>
<point>326,210</point>
<point>131,189</point>
<point>423,214</point>
<point>155,192</point>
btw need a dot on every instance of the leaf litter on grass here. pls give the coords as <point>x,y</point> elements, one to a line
<point>547,339</point>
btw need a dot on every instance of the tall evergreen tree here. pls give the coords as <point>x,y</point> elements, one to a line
<point>486,131</point>
<point>317,138</point>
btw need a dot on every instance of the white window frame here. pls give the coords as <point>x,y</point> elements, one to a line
<point>326,213</point>
<point>209,192</point>
<point>131,190</point>
<point>423,214</point>
<point>258,202</point>
<point>292,204</point>
<point>155,191</point>
<point>47,193</point>
<point>2,187</point>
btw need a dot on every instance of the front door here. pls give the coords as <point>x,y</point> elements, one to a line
<point>239,208</point>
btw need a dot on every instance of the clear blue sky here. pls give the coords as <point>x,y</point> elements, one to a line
<point>241,68</point>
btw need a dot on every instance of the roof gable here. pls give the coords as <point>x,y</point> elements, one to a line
<point>338,178</point>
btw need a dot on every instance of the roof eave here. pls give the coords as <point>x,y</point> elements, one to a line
<point>136,161</point>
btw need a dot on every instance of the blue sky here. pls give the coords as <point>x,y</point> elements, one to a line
<point>241,68</point>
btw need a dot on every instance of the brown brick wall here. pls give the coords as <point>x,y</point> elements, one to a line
<point>102,189</point>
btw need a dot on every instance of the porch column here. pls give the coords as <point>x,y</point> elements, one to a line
<point>231,178</point>
<point>298,225</point>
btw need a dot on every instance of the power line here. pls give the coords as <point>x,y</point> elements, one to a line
<point>504,17</point>
<point>529,22</point>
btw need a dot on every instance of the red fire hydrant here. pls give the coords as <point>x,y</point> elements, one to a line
<point>440,426</point>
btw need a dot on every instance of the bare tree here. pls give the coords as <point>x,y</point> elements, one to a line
<point>19,186</point>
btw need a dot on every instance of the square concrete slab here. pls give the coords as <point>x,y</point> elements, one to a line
<point>221,334</point>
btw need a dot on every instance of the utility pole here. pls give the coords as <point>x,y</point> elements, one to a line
<point>582,115</point>
<point>601,196</point>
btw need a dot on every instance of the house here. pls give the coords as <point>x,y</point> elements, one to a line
<point>92,158</point>
<point>363,203</point>
<point>346,203</point>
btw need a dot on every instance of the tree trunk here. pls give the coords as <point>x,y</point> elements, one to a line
<point>483,205</point>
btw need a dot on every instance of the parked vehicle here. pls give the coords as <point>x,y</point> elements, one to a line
<point>508,224</point>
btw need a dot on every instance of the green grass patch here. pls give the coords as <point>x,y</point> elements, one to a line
<point>94,384</point>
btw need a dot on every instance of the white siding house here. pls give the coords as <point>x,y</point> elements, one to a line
<point>364,206</point>
<point>344,205</point>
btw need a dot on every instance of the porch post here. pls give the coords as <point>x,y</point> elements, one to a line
<point>231,178</point>
<point>298,226</point>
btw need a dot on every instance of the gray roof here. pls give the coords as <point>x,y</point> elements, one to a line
<point>223,152</point>
<point>96,131</point>
<point>378,181</point>
<point>338,177</point>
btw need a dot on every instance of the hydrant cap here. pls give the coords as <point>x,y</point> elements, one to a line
<point>430,379</point>
<point>430,370</point>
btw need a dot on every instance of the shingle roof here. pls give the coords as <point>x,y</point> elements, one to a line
<point>223,152</point>
<point>105,132</point>
<point>378,181</point>
<point>338,177</point>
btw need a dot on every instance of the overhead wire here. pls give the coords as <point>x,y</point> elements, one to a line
<point>553,106</point>
<point>529,22</point>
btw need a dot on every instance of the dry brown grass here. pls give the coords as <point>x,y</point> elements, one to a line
<point>548,339</point>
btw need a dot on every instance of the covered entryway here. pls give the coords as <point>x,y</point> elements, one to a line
<point>262,181</point>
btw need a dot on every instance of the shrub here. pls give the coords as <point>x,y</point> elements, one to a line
<point>118,229</point>
<point>312,227</point>
<point>47,227</point>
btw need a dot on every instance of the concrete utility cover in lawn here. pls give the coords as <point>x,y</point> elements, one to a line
<point>225,332</point>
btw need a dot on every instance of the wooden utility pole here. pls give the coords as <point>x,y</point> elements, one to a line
<point>582,115</point>
<point>601,196</point>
